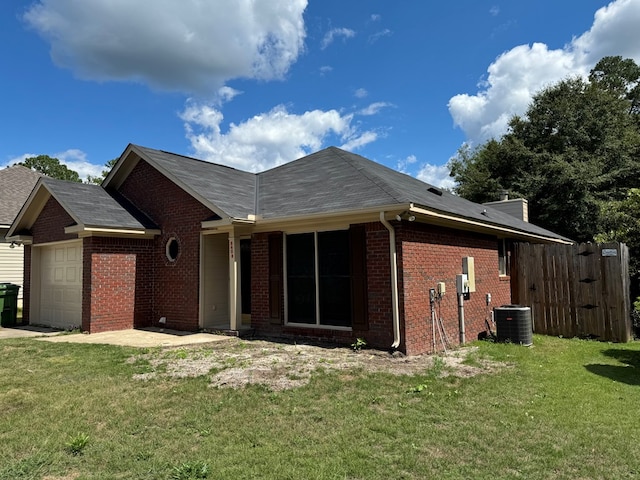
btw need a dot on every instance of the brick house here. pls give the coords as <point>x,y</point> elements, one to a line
<point>332,246</point>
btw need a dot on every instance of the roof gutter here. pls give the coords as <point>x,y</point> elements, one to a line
<point>394,281</point>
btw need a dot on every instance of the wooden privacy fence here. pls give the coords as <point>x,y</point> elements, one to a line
<point>574,290</point>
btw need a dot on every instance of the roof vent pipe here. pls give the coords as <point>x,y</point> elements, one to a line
<point>394,281</point>
<point>504,195</point>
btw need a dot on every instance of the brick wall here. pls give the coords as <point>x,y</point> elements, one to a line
<point>260,285</point>
<point>380,332</point>
<point>117,283</point>
<point>428,255</point>
<point>176,284</point>
<point>50,225</point>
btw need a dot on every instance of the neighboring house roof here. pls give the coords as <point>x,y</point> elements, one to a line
<point>16,183</point>
<point>326,182</point>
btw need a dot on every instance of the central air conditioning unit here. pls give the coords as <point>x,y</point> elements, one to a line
<point>514,324</point>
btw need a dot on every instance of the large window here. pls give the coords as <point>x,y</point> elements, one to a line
<point>318,279</point>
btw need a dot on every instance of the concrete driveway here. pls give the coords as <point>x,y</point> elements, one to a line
<point>148,337</point>
<point>26,331</point>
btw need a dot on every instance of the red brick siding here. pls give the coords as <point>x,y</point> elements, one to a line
<point>179,215</point>
<point>380,332</point>
<point>117,283</point>
<point>428,255</point>
<point>50,224</point>
<point>260,284</point>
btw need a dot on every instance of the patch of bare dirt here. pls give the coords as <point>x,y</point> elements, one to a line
<point>280,366</point>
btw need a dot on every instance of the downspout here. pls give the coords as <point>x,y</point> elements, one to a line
<point>394,281</point>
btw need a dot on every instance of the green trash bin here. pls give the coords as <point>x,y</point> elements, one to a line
<point>8,304</point>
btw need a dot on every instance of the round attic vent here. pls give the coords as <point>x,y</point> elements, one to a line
<point>172,249</point>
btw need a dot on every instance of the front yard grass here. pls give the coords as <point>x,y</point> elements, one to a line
<point>563,409</point>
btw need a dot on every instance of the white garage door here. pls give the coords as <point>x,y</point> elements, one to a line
<point>61,285</point>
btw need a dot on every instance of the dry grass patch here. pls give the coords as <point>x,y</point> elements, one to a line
<point>281,366</point>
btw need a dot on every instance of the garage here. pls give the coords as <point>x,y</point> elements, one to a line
<point>60,302</point>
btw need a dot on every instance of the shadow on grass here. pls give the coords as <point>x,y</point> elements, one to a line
<point>628,373</point>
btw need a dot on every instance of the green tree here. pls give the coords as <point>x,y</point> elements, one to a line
<point>107,168</point>
<point>621,223</point>
<point>51,167</point>
<point>577,146</point>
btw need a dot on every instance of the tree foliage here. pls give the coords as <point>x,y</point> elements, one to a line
<point>51,167</point>
<point>107,168</point>
<point>621,223</point>
<point>576,149</point>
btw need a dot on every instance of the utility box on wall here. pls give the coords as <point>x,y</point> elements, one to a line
<point>469,270</point>
<point>462,284</point>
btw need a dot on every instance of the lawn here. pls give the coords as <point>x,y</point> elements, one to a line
<point>563,409</point>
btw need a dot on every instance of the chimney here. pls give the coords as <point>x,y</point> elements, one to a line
<point>518,207</point>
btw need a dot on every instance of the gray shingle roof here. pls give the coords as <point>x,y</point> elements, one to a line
<point>335,180</point>
<point>16,184</point>
<point>331,180</point>
<point>231,190</point>
<point>91,205</point>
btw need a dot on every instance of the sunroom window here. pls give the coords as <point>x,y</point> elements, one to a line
<point>318,280</point>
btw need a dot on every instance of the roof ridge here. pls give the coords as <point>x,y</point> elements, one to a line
<point>256,198</point>
<point>371,176</point>
<point>194,159</point>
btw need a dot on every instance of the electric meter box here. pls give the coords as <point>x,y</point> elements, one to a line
<point>468,268</point>
<point>462,284</point>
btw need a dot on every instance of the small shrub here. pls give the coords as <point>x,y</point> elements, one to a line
<point>418,388</point>
<point>359,344</point>
<point>77,444</point>
<point>190,471</point>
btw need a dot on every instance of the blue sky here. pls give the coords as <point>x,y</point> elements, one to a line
<point>255,84</point>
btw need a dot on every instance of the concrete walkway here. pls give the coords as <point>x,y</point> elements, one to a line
<point>148,337</point>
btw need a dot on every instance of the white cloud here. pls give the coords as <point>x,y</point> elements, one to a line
<point>326,69</point>
<point>361,93</point>
<point>378,35</point>
<point>226,94</point>
<point>403,164</point>
<point>436,175</point>
<point>190,45</point>
<point>516,75</point>
<point>77,160</point>
<point>494,11</point>
<point>268,139</point>
<point>356,142</point>
<point>332,34</point>
<point>374,108</point>
<point>73,158</point>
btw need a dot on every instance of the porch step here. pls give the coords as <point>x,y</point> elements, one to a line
<point>244,332</point>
